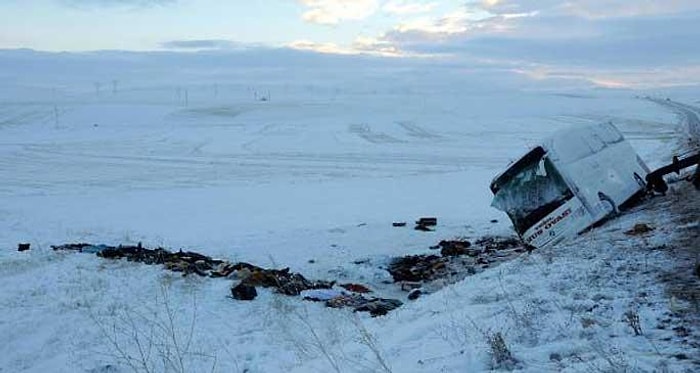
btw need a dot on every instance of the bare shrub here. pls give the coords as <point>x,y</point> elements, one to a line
<point>500,353</point>
<point>501,357</point>
<point>615,359</point>
<point>324,335</point>
<point>524,318</point>
<point>632,319</point>
<point>152,340</point>
<point>368,340</point>
<point>308,337</point>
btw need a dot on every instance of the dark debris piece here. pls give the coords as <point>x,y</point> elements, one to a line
<point>356,288</point>
<point>423,228</point>
<point>181,261</point>
<point>639,229</point>
<point>496,243</point>
<point>352,300</point>
<point>378,306</point>
<point>456,247</point>
<point>428,222</point>
<point>425,224</point>
<point>375,306</point>
<point>414,294</point>
<point>417,267</point>
<point>71,247</point>
<point>244,292</point>
<point>283,281</point>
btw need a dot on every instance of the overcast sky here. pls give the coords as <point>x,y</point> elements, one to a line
<point>613,42</point>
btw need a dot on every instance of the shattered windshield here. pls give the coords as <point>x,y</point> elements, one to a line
<point>531,193</point>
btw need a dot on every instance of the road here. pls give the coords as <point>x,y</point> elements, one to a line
<point>689,113</point>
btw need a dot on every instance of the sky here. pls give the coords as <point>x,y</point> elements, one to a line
<point>615,42</point>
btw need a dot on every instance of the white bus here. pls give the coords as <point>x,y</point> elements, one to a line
<point>575,178</point>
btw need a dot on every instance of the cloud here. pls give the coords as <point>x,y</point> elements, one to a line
<point>328,48</point>
<point>593,8</point>
<point>84,4</point>
<point>451,23</point>
<point>607,43</point>
<point>361,46</point>
<point>375,46</point>
<point>466,21</point>
<point>331,12</point>
<point>623,8</point>
<point>401,7</point>
<point>633,42</point>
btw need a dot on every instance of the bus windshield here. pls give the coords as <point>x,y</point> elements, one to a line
<point>530,191</point>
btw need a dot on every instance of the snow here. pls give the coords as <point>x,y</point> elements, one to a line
<point>311,179</point>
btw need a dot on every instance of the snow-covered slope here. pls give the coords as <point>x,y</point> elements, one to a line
<point>311,179</point>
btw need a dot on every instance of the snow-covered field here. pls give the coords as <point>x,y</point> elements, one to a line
<point>310,178</point>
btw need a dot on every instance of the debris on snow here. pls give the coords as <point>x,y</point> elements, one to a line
<point>346,300</point>
<point>455,248</point>
<point>423,228</point>
<point>244,292</point>
<point>414,294</point>
<point>250,276</point>
<point>416,268</point>
<point>23,247</point>
<point>425,224</point>
<point>459,259</point>
<point>498,243</point>
<point>321,295</point>
<point>356,288</point>
<point>379,306</point>
<point>340,299</point>
<point>428,222</point>
<point>182,261</point>
<point>284,281</point>
<point>639,229</point>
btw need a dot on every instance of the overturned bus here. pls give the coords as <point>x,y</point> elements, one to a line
<point>575,178</point>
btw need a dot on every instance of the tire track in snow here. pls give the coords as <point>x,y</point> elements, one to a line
<point>417,131</point>
<point>25,115</point>
<point>54,167</point>
<point>365,132</point>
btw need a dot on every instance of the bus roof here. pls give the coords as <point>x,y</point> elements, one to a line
<point>577,142</point>
<point>564,146</point>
